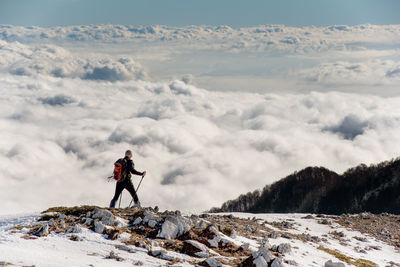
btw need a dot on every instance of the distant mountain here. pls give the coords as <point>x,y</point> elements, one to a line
<point>374,188</point>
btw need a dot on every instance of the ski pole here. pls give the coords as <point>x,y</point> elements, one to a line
<point>120,197</point>
<point>136,190</point>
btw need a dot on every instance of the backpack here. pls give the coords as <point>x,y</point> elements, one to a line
<point>119,173</point>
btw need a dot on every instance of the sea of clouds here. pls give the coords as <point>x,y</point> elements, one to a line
<point>71,104</point>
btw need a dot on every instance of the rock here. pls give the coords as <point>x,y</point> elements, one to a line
<point>114,256</point>
<point>61,224</point>
<point>162,254</point>
<point>309,216</point>
<point>195,248</point>
<point>277,262</point>
<point>260,262</point>
<point>152,223</point>
<point>365,215</point>
<point>126,248</point>
<point>245,246</point>
<point>202,224</point>
<point>284,248</point>
<point>51,222</point>
<point>324,221</point>
<point>99,227</point>
<point>292,262</point>
<point>334,264</point>
<point>137,221</point>
<point>137,263</point>
<point>273,235</point>
<point>264,253</point>
<point>211,262</point>
<point>42,231</point>
<point>105,216</point>
<point>76,229</point>
<point>173,227</point>
<point>149,216</point>
<point>74,237</point>
<point>88,221</point>
<point>61,216</point>
<point>233,234</point>
<point>157,252</point>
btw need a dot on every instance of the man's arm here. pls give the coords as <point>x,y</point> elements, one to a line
<point>133,171</point>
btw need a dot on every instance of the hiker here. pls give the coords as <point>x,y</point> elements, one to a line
<point>125,181</point>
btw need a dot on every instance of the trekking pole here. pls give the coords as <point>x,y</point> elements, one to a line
<point>120,197</point>
<point>136,190</point>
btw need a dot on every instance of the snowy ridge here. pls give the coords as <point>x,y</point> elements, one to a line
<point>90,236</point>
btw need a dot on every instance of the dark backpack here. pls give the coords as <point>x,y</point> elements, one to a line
<point>120,170</point>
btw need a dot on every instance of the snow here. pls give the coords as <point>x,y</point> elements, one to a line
<point>59,250</point>
<point>308,254</point>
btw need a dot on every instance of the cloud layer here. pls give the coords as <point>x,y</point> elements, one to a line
<point>60,137</point>
<point>67,113</point>
<point>19,59</point>
<point>260,38</point>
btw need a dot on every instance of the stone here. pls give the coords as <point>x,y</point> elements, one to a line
<point>152,223</point>
<point>277,262</point>
<point>75,229</point>
<point>292,262</point>
<point>137,263</point>
<point>233,234</point>
<point>88,221</point>
<point>334,264</point>
<point>195,248</point>
<point>173,227</point>
<point>202,224</point>
<point>137,221</point>
<point>99,227</point>
<point>245,246</point>
<point>284,248</point>
<point>212,262</point>
<point>105,216</point>
<point>51,222</point>
<point>260,262</point>
<point>42,231</point>
<point>126,248</point>
<point>62,224</point>
<point>263,252</point>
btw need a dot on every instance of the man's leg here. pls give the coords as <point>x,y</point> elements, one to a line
<point>131,189</point>
<point>118,189</point>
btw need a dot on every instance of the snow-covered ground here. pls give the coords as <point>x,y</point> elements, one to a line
<point>93,249</point>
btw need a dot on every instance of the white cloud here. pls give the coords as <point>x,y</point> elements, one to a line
<point>373,72</point>
<point>55,61</point>
<point>66,115</point>
<point>200,148</point>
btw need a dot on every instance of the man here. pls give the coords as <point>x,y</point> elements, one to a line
<point>125,182</point>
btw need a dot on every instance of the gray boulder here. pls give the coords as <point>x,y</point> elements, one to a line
<point>277,262</point>
<point>42,231</point>
<point>105,216</point>
<point>334,264</point>
<point>99,227</point>
<point>174,226</point>
<point>212,262</point>
<point>284,248</point>
<point>264,253</point>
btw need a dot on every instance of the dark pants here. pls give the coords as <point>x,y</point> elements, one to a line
<point>126,184</point>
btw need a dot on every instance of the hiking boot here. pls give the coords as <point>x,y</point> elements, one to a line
<point>112,203</point>
<point>136,205</point>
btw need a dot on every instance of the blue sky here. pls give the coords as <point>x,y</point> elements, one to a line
<point>206,12</point>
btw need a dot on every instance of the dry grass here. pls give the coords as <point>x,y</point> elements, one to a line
<point>76,211</point>
<point>350,260</point>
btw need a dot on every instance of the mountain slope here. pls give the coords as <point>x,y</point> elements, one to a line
<point>372,188</point>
